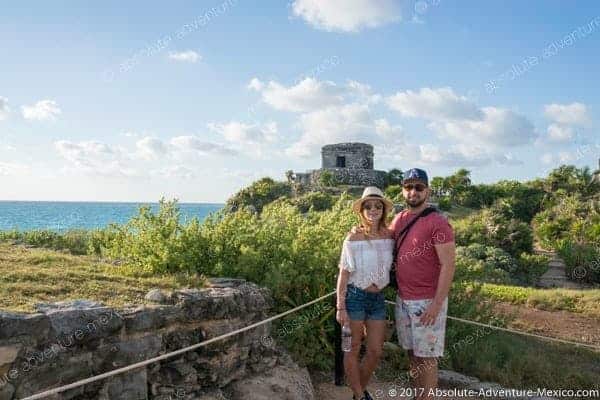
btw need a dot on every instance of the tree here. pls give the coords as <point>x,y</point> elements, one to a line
<point>393,177</point>
<point>327,179</point>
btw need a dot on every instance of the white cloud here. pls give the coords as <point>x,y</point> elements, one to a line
<point>560,133</point>
<point>255,84</point>
<point>347,15</point>
<point>4,110</point>
<point>308,95</point>
<point>458,155</point>
<point>195,144</point>
<point>255,140</point>
<point>458,118</point>
<point>7,169</point>
<point>434,104</point>
<point>384,129</point>
<point>94,158</point>
<point>175,172</point>
<point>41,111</point>
<point>150,148</point>
<point>574,113</point>
<point>498,127</point>
<point>189,56</point>
<point>347,123</point>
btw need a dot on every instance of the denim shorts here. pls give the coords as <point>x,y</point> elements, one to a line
<point>362,305</point>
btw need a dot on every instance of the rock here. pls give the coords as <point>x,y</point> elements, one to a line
<point>212,395</point>
<point>17,326</point>
<point>46,308</point>
<point>8,354</point>
<point>225,282</point>
<point>454,379</point>
<point>130,386</point>
<point>282,383</point>
<point>6,391</point>
<point>156,296</point>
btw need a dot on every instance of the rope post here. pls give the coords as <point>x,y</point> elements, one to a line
<point>339,355</point>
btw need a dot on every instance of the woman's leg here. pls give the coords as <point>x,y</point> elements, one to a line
<point>351,358</point>
<point>375,339</point>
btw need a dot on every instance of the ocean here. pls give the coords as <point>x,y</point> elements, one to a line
<point>62,215</point>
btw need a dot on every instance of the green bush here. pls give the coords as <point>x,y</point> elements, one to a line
<point>155,242</point>
<point>582,261</point>
<point>571,219</point>
<point>316,201</point>
<point>75,241</point>
<point>394,193</point>
<point>530,267</point>
<point>258,194</point>
<point>481,263</point>
<point>495,227</point>
<point>444,203</point>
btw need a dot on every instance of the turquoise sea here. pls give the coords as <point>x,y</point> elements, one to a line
<point>61,216</point>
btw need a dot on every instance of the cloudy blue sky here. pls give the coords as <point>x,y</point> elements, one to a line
<point>195,99</point>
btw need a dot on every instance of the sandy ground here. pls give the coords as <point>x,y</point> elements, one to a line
<point>558,324</point>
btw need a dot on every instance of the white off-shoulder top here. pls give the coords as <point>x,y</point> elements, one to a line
<point>368,261</point>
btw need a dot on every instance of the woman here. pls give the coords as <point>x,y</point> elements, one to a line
<point>364,272</point>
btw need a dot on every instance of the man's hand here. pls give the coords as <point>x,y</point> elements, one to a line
<point>356,229</point>
<point>430,314</point>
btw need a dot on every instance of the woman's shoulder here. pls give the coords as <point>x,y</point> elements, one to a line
<point>355,236</point>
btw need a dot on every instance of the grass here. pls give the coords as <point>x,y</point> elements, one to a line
<point>33,275</point>
<point>585,302</point>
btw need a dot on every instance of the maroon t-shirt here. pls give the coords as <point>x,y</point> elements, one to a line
<point>417,262</point>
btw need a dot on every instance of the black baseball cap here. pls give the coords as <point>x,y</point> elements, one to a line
<point>415,174</point>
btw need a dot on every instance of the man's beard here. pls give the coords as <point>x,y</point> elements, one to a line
<point>415,203</point>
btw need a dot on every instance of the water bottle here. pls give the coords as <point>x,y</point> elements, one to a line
<point>346,338</point>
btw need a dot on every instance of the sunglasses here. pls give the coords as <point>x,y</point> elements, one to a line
<point>419,187</point>
<point>369,207</point>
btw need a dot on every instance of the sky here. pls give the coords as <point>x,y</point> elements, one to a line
<point>194,100</point>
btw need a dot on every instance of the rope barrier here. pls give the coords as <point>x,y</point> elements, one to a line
<point>169,355</point>
<point>252,326</point>
<point>549,338</point>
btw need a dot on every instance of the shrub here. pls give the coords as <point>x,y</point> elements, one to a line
<point>316,201</point>
<point>75,241</point>
<point>530,267</point>
<point>582,261</point>
<point>571,219</point>
<point>394,193</point>
<point>327,179</point>
<point>481,263</point>
<point>155,242</point>
<point>444,203</point>
<point>494,227</point>
<point>258,194</point>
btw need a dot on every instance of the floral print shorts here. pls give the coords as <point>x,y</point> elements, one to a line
<point>424,341</point>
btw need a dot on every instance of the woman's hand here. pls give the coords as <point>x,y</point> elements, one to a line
<point>342,317</point>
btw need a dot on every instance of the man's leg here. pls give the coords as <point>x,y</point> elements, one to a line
<point>424,371</point>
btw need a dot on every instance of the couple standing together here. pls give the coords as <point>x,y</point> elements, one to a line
<point>420,242</point>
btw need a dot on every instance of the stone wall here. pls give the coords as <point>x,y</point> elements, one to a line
<point>69,341</point>
<point>355,177</point>
<point>357,155</point>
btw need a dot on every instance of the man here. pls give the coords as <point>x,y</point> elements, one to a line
<point>424,272</point>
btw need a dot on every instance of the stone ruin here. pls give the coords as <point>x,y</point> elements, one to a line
<point>69,341</point>
<point>348,163</point>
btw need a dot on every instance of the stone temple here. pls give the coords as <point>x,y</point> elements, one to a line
<point>348,163</point>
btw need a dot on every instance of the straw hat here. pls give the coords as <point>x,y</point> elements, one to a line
<point>372,193</point>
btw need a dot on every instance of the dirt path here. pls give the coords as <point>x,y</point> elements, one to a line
<point>381,390</point>
<point>559,324</point>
